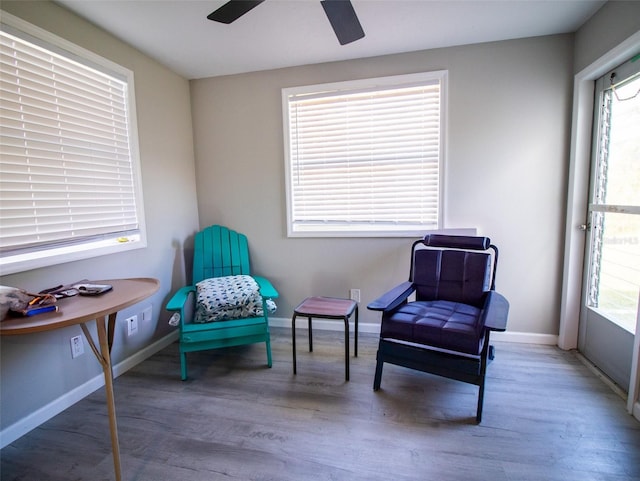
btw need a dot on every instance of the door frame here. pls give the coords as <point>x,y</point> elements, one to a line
<point>603,340</point>
<point>633,406</point>
<point>578,188</point>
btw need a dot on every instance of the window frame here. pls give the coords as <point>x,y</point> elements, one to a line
<point>62,253</point>
<point>380,83</point>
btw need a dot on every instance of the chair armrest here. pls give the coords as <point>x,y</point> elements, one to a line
<point>266,288</point>
<point>393,298</point>
<point>176,303</point>
<point>495,312</point>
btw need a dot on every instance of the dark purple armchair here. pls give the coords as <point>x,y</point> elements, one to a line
<point>445,330</point>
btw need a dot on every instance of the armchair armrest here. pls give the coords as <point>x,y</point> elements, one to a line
<point>495,312</point>
<point>393,298</point>
<point>266,288</point>
<point>176,303</point>
<point>183,301</point>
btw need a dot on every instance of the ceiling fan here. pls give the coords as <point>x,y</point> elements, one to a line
<point>340,13</point>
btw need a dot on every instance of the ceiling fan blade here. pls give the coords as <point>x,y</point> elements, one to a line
<point>343,19</point>
<point>233,10</point>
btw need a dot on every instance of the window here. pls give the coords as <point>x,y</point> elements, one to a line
<point>364,158</point>
<point>69,168</point>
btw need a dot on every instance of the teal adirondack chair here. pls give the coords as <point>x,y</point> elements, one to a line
<point>220,252</point>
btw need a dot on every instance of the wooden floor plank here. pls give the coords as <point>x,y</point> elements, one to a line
<point>546,417</point>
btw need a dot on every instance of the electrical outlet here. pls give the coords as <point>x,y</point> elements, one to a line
<point>146,314</point>
<point>354,295</point>
<point>77,346</point>
<point>132,325</point>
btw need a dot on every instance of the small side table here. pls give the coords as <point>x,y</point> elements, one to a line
<point>327,308</point>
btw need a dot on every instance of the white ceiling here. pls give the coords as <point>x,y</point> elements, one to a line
<point>284,33</point>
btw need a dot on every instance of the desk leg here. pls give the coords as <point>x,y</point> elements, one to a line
<point>104,358</point>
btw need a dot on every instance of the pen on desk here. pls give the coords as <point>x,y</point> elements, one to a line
<point>41,300</point>
<point>40,310</point>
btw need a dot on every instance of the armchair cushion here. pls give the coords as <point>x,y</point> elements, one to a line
<point>227,297</point>
<point>443,324</point>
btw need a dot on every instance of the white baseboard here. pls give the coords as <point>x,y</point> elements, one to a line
<point>126,364</point>
<point>525,338</point>
<point>324,324</point>
<point>368,327</point>
<point>35,419</point>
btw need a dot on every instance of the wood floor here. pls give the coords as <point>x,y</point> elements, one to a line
<point>546,418</point>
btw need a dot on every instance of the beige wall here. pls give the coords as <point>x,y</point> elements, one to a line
<point>507,152</point>
<point>37,369</point>
<point>613,23</point>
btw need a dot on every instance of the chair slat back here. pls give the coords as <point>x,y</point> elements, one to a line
<point>218,252</point>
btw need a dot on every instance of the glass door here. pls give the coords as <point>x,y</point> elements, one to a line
<point>612,261</point>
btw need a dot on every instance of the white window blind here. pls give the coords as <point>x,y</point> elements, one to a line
<point>365,159</point>
<point>66,170</point>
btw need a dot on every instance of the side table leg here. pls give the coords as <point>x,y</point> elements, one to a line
<point>346,348</point>
<point>310,335</point>
<point>293,339</point>
<point>356,336</point>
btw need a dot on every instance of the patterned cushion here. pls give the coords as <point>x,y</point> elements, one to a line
<point>229,297</point>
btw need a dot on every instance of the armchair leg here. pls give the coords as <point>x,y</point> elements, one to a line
<point>487,352</point>
<point>269,360</point>
<point>183,365</point>
<point>480,403</point>
<point>378,376</point>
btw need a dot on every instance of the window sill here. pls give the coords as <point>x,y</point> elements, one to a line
<point>413,233</point>
<point>35,260</point>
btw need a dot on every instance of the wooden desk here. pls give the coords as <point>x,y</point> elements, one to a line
<point>81,309</point>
